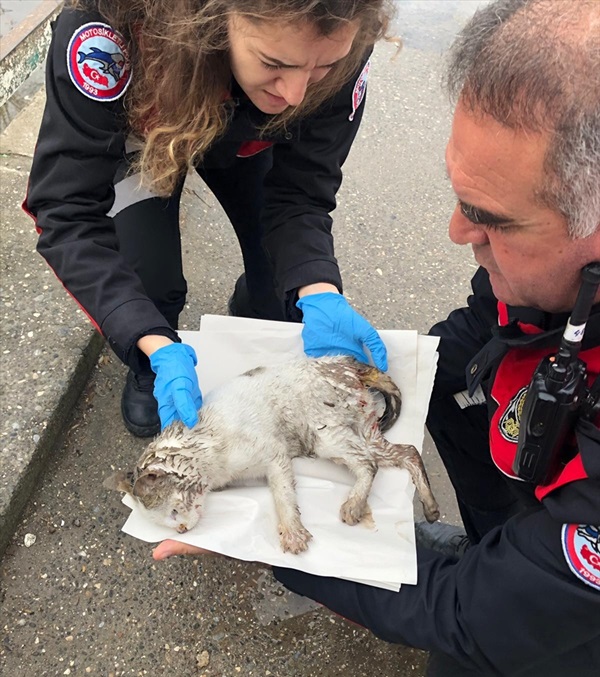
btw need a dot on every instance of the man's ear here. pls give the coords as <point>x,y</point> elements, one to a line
<point>120,481</point>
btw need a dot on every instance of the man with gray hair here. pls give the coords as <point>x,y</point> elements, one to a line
<point>519,593</point>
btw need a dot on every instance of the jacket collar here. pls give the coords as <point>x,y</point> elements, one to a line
<point>536,330</point>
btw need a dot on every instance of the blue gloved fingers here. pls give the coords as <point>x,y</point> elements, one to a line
<point>314,349</point>
<point>365,335</point>
<point>185,407</point>
<point>167,415</point>
<point>176,386</point>
<point>377,349</point>
<point>333,327</point>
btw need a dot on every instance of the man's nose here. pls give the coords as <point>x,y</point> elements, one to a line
<point>463,231</point>
<point>292,85</point>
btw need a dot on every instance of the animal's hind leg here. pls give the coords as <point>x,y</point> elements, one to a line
<point>407,456</point>
<point>353,509</point>
<point>293,536</point>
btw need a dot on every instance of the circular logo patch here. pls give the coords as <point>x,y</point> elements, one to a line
<point>98,63</point>
<point>581,545</point>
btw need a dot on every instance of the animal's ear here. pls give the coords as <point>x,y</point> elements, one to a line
<point>120,481</point>
<point>146,482</point>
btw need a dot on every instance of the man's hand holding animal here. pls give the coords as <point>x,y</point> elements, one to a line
<point>333,327</point>
<point>176,387</point>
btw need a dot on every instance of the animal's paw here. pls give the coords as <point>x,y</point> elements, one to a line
<point>294,540</point>
<point>352,511</point>
<point>431,512</point>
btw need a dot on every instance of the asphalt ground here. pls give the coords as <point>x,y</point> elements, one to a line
<point>84,598</point>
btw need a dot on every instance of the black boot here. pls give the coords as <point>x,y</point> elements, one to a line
<point>238,304</point>
<point>444,538</point>
<point>139,408</point>
<point>269,307</point>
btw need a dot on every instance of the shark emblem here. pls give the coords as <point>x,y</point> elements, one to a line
<point>109,64</point>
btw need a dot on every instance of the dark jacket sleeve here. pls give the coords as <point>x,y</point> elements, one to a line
<point>510,606</point>
<point>80,144</point>
<point>300,193</point>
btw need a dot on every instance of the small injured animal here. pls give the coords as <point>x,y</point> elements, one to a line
<point>253,426</point>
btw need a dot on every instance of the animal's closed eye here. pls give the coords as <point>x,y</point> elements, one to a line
<point>174,514</point>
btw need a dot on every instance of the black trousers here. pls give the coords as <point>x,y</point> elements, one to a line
<point>150,238</point>
<point>460,430</point>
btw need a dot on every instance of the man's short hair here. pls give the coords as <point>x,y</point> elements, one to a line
<point>535,65</point>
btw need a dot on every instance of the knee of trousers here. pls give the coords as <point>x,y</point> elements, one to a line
<point>458,411</point>
<point>460,435</point>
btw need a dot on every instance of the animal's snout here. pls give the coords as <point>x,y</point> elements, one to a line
<point>181,527</point>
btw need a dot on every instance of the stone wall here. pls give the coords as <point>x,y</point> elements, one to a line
<point>25,47</point>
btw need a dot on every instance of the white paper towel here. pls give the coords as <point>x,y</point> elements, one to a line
<point>240,521</point>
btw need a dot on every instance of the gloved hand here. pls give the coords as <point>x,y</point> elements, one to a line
<point>176,386</point>
<point>332,327</point>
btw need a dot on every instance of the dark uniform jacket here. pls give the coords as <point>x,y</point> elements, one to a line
<point>71,191</point>
<point>525,601</point>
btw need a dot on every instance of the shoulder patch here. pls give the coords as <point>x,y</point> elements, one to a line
<point>581,547</point>
<point>98,62</point>
<point>360,87</point>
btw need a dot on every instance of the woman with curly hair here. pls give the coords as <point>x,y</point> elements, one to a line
<point>263,98</point>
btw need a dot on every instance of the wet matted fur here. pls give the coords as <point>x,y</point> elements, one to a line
<point>253,426</point>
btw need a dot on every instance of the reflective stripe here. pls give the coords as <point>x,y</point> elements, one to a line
<point>128,192</point>
<point>133,144</point>
<point>463,400</point>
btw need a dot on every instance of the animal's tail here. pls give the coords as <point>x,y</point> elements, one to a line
<point>376,380</point>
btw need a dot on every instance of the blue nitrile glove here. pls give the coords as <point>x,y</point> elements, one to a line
<point>176,386</point>
<point>333,327</point>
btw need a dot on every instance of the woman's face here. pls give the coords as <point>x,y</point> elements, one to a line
<point>275,62</point>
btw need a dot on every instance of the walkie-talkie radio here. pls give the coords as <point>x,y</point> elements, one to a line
<point>557,395</point>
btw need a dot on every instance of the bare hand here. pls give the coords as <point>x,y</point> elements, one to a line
<point>171,548</point>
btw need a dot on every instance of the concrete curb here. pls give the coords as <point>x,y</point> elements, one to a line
<point>17,490</point>
<point>49,349</point>
<point>25,47</point>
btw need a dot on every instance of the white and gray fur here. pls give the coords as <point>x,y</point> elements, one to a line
<point>254,425</point>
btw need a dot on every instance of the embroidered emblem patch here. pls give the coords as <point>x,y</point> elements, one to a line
<point>360,87</point>
<point>98,63</point>
<point>510,422</point>
<point>581,546</point>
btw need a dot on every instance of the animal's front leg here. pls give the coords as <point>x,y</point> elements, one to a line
<point>293,536</point>
<point>353,510</point>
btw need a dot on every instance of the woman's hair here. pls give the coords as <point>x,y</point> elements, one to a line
<point>177,100</point>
